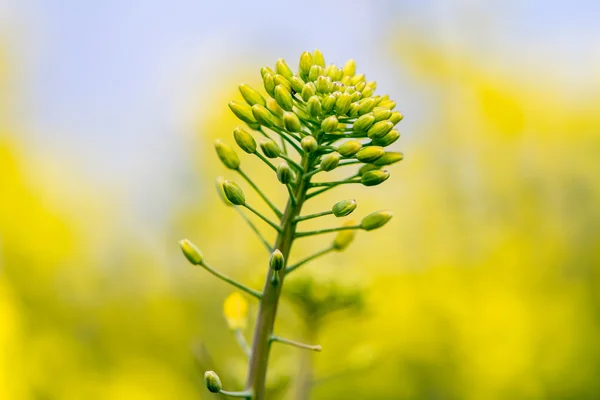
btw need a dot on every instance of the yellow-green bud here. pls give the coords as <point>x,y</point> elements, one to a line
<point>212,382</point>
<point>291,122</point>
<point>315,72</point>
<point>342,104</point>
<point>251,96</point>
<point>274,107</point>
<point>353,111</point>
<point>381,113</point>
<point>330,71</point>
<point>276,261</point>
<point>262,115</point>
<point>329,124</point>
<point>318,58</point>
<point>314,106</point>
<point>244,140</point>
<point>309,144</point>
<point>282,80</point>
<point>346,80</point>
<point>356,79</point>
<point>297,84</point>
<point>191,252</point>
<point>349,148</point>
<point>221,192</point>
<point>283,69</point>
<point>266,70</point>
<point>269,83</point>
<point>306,61</point>
<point>370,154</point>
<point>284,173</point>
<point>350,68</point>
<point>366,168</point>
<point>337,87</point>
<point>323,84</point>
<point>366,105</point>
<point>379,129</point>
<point>330,161</point>
<point>339,73</point>
<point>344,238</point>
<point>234,193</point>
<point>389,158</point>
<point>328,103</point>
<point>388,139</point>
<point>242,111</point>
<point>396,117</point>
<point>284,98</point>
<point>373,178</point>
<point>269,148</point>
<point>360,86</point>
<point>375,220</point>
<point>227,155</point>
<point>367,91</point>
<point>389,104</point>
<point>308,90</point>
<point>355,97</point>
<point>343,208</point>
<point>363,123</point>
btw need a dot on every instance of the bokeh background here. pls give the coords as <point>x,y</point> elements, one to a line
<point>485,285</point>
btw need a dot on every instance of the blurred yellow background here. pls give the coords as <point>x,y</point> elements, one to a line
<point>485,285</point>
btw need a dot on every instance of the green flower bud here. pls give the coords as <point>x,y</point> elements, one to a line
<point>344,238</point>
<point>315,72</point>
<point>375,220</point>
<point>367,91</point>
<point>355,97</point>
<point>337,87</point>
<point>291,122</point>
<point>363,123</point>
<point>328,103</point>
<point>276,261</point>
<point>323,84</point>
<point>284,173</point>
<point>314,106</point>
<point>349,148</point>
<point>353,111</point>
<point>370,154</point>
<point>396,117</point>
<point>366,168</point>
<point>346,80</point>
<point>283,69</point>
<point>356,79</point>
<point>262,115</point>
<point>379,129</point>
<point>389,104</point>
<point>318,58</point>
<point>308,90</point>
<point>373,178</point>
<point>342,104</point>
<point>234,193</point>
<point>389,158</point>
<point>329,124</point>
<point>350,68</point>
<point>212,382</point>
<point>306,61</point>
<point>251,96</point>
<point>388,139</point>
<point>282,80</point>
<point>309,144</point>
<point>343,208</point>
<point>244,140</point>
<point>191,252</point>
<point>266,70</point>
<point>366,105</point>
<point>274,107</point>
<point>297,84</point>
<point>330,71</point>
<point>372,85</point>
<point>269,148</point>
<point>330,161</point>
<point>381,113</point>
<point>269,83</point>
<point>242,111</point>
<point>284,98</point>
<point>227,155</point>
<point>221,192</point>
<point>360,86</point>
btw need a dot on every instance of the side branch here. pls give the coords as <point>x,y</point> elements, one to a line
<point>223,277</point>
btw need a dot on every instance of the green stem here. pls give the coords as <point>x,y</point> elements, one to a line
<point>328,230</point>
<point>266,161</point>
<point>254,229</point>
<point>239,337</point>
<point>261,216</point>
<point>260,193</point>
<point>309,258</point>
<point>311,216</point>
<point>223,277</point>
<point>246,394</point>
<point>300,345</point>
<point>292,162</point>
<point>333,183</point>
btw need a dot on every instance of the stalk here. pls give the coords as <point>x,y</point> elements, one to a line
<point>263,331</point>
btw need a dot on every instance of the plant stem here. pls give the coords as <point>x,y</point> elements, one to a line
<point>321,231</point>
<point>261,216</point>
<point>260,193</point>
<point>263,331</point>
<point>311,216</point>
<point>227,279</point>
<point>294,343</point>
<point>254,229</point>
<point>309,258</point>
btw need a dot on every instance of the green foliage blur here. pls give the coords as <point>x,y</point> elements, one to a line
<point>485,285</point>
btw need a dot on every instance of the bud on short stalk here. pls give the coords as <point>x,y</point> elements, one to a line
<point>234,193</point>
<point>212,382</point>
<point>330,161</point>
<point>343,208</point>
<point>227,155</point>
<point>191,252</point>
<point>375,220</point>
